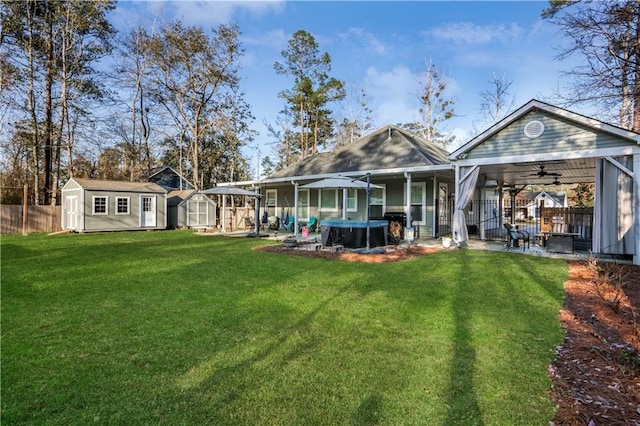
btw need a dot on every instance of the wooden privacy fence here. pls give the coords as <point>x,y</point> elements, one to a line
<point>39,219</point>
<point>235,217</point>
<point>48,218</point>
<point>569,219</point>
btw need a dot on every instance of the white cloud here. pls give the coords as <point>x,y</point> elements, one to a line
<point>469,33</point>
<point>208,13</point>
<point>274,39</point>
<point>393,94</point>
<point>365,40</point>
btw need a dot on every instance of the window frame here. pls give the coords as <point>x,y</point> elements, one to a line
<point>306,206</point>
<point>106,205</point>
<point>117,206</point>
<point>354,198</point>
<point>423,203</point>
<point>336,200</point>
<point>271,195</point>
<point>383,202</point>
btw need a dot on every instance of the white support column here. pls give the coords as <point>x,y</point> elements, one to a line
<point>434,202</point>
<point>224,215</point>
<point>345,196</point>
<point>407,206</point>
<point>636,207</point>
<point>296,200</point>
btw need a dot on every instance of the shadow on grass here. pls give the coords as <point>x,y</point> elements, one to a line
<point>234,373</point>
<point>462,401</point>
<point>369,411</point>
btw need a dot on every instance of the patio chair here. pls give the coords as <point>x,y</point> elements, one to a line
<point>248,223</point>
<point>274,223</point>
<point>514,235</point>
<point>287,224</point>
<point>312,226</point>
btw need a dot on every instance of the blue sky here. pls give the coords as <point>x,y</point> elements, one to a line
<point>383,47</point>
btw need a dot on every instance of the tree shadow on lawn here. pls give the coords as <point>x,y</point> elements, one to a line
<point>207,376</point>
<point>462,401</point>
<point>538,307</point>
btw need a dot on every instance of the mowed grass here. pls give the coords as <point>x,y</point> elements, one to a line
<point>174,328</point>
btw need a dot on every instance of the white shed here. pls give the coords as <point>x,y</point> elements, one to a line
<point>190,209</point>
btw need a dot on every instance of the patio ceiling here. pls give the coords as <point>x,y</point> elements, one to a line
<point>572,171</point>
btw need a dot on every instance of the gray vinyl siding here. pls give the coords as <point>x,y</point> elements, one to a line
<point>559,135</point>
<point>120,222</point>
<point>182,213</point>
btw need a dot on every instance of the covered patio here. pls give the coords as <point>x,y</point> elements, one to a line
<point>540,144</point>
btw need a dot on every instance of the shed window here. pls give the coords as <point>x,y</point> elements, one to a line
<point>100,205</point>
<point>122,205</point>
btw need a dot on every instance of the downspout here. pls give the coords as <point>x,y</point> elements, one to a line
<point>296,199</point>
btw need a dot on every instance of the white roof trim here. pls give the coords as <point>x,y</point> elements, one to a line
<point>550,156</point>
<point>373,173</point>
<point>535,104</point>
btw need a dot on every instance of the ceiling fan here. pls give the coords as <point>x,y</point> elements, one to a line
<point>555,182</point>
<point>542,173</point>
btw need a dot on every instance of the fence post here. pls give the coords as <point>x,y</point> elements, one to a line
<point>25,209</point>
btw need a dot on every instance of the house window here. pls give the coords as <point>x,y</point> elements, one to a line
<point>328,199</point>
<point>377,202</point>
<point>418,203</point>
<point>352,200</point>
<point>122,205</point>
<point>271,202</point>
<point>100,205</point>
<point>303,204</point>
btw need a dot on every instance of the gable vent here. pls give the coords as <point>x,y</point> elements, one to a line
<point>534,129</point>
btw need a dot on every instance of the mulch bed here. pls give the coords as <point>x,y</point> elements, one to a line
<point>596,373</point>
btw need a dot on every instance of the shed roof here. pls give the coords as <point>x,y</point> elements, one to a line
<point>176,197</point>
<point>119,186</point>
<point>389,147</point>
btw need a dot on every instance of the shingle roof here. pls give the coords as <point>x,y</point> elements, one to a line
<point>176,197</point>
<point>386,148</point>
<point>118,185</point>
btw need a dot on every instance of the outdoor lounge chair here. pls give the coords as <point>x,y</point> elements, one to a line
<point>514,236</point>
<point>274,223</point>
<point>312,226</point>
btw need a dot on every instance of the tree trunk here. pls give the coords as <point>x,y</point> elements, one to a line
<point>48,139</point>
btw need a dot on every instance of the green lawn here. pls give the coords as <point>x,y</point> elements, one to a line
<point>174,328</point>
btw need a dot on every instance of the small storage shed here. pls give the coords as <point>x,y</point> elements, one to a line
<point>90,205</point>
<point>190,209</point>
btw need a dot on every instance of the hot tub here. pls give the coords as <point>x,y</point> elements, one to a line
<point>353,233</point>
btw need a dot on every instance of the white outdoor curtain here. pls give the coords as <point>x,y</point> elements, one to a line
<point>613,215</point>
<point>467,180</point>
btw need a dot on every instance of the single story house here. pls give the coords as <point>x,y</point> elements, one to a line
<point>190,209</point>
<point>536,144</point>
<point>90,205</point>
<point>414,180</point>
